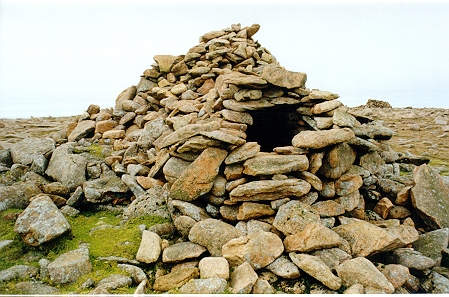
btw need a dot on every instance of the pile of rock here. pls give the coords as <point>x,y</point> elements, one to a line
<point>256,172</point>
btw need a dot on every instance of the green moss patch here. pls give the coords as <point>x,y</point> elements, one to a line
<point>111,238</point>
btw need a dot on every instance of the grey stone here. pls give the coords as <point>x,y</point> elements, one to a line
<point>293,217</point>
<point>69,211</point>
<point>17,195</point>
<point>68,267</point>
<point>284,268</point>
<point>212,234</point>
<point>137,274</point>
<point>182,251</point>
<point>83,129</point>
<point>18,272</point>
<point>41,221</point>
<point>432,244</point>
<point>153,203</point>
<point>39,164</point>
<point>204,286</point>
<point>412,259</point>
<point>24,151</point>
<point>103,189</point>
<point>132,184</point>
<point>66,167</point>
<point>35,288</point>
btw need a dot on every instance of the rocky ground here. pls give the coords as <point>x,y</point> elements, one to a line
<point>220,172</point>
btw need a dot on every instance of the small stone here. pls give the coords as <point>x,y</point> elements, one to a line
<point>315,267</point>
<point>281,77</point>
<point>69,211</point>
<point>259,249</point>
<point>293,216</point>
<point>212,234</point>
<point>150,247</point>
<point>136,273</point>
<point>337,161</point>
<point>243,279</point>
<point>284,268</point>
<point>68,267</point>
<point>214,267</point>
<point>112,282</point>
<point>412,259</point>
<point>182,251</point>
<point>314,236</point>
<point>242,153</point>
<point>348,184</point>
<point>332,257</point>
<point>204,286</point>
<point>175,279</point>
<point>396,274</point>
<point>328,208</point>
<point>35,288</point>
<point>199,176</point>
<point>362,271</point>
<point>262,286</point>
<point>355,289</point>
<point>251,210</point>
<point>84,129</point>
<point>164,62</point>
<point>383,207</point>
<point>18,271</point>
<point>326,106</point>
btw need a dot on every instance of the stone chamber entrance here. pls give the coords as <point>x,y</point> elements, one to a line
<point>273,127</point>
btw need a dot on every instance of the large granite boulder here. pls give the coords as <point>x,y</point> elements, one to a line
<point>24,151</point>
<point>68,267</point>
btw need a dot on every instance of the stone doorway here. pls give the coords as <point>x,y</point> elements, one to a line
<point>273,127</point>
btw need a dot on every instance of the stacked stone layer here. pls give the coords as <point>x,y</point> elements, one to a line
<point>185,145</point>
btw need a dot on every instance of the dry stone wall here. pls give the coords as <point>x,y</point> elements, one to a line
<point>257,172</point>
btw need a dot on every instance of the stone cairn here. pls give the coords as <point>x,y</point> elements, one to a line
<point>257,173</point>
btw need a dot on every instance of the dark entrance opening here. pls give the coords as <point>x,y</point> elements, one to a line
<point>273,127</point>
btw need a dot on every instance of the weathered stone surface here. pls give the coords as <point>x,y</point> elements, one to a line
<point>436,284</point>
<point>314,236</point>
<point>175,279</point>
<point>204,286</point>
<point>17,195</point>
<point>189,209</point>
<point>247,105</point>
<point>328,208</point>
<point>182,251</point>
<point>432,244</point>
<point>150,247</point>
<point>281,77</point>
<point>103,189</point>
<point>242,153</point>
<point>284,268</point>
<point>197,144</point>
<point>164,62</point>
<point>362,271</point>
<point>125,95</point>
<point>214,267</point>
<point>243,279</point>
<point>152,202</point>
<point>293,216</point>
<point>259,249</point>
<point>24,151</point>
<point>365,238</point>
<point>197,179</point>
<point>344,119</point>
<point>152,131</point>
<point>326,106</point>
<point>186,132</point>
<point>35,288</point>
<point>332,257</point>
<point>237,117</point>
<point>137,274</point>
<point>84,129</point>
<point>396,274</point>
<point>323,138</point>
<point>18,271</point>
<point>410,258</point>
<point>41,221</point>
<point>269,190</point>
<point>173,168</point>
<point>112,282</point>
<point>251,210</point>
<point>267,164</point>
<point>348,184</point>
<point>212,234</point>
<point>68,267</point>
<point>430,197</point>
<point>315,267</point>
<point>66,167</point>
<point>337,161</point>
<point>383,207</point>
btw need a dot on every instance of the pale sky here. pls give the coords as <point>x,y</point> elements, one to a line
<point>57,57</point>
